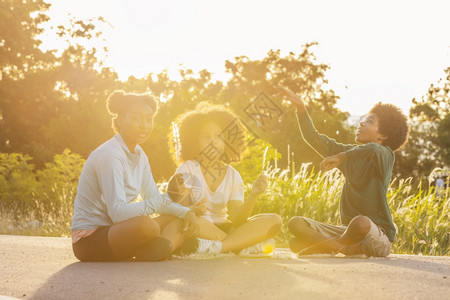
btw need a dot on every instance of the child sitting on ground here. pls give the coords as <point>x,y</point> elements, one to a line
<point>368,227</point>
<point>210,138</point>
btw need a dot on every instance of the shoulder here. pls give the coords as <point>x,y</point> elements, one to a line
<point>233,174</point>
<point>109,152</point>
<point>143,156</point>
<point>374,147</point>
<point>385,150</point>
<point>189,166</point>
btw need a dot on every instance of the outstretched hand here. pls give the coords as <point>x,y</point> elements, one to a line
<point>332,162</point>
<point>291,97</point>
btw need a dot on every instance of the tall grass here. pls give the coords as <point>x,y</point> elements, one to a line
<point>38,202</point>
<point>422,218</point>
<point>305,193</point>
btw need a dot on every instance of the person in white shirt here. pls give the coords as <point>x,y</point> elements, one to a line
<point>210,137</point>
<point>117,193</point>
<point>439,185</point>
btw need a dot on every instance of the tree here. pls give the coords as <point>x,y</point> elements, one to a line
<point>23,74</point>
<point>298,72</point>
<point>59,102</point>
<point>301,74</point>
<point>51,101</point>
<point>19,47</point>
<point>83,122</point>
<point>429,141</point>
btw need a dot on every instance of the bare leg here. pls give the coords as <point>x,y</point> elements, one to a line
<point>164,220</point>
<point>257,229</point>
<point>125,237</point>
<point>209,231</point>
<point>309,241</point>
<point>357,229</point>
<point>173,230</point>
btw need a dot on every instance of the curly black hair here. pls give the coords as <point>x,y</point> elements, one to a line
<point>191,122</point>
<point>119,102</point>
<point>392,123</point>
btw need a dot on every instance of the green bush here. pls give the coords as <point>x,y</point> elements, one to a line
<point>38,202</point>
<point>18,184</point>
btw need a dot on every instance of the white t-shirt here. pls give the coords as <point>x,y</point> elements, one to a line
<point>230,189</point>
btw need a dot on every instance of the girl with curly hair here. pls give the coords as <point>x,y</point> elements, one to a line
<point>210,138</point>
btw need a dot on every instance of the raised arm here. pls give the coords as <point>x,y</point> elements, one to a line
<point>322,144</point>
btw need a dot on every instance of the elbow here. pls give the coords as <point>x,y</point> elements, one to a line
<point>116,218</point>
<point>117,214</point>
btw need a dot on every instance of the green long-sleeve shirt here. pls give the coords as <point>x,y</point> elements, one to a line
<point>367,171</point>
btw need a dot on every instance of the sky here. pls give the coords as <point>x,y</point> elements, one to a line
<point>389,51</point>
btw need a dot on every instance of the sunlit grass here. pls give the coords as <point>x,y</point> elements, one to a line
<point>422,218</point>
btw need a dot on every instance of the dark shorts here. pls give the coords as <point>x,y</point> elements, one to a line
<point>225,227</point>
<point>94,247</point>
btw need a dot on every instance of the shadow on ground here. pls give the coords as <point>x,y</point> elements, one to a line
<point>213,278</point>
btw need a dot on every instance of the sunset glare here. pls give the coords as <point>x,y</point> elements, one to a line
<point>386,51</point>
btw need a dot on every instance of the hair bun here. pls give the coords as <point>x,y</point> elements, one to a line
<point>115,101</point>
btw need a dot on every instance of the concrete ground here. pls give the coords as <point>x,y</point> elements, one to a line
<point>45,268</point>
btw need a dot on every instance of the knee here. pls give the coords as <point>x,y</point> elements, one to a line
<point>147,227</point>
<point>297,225</point>
<point>360,224</point>
<point>275,222</point>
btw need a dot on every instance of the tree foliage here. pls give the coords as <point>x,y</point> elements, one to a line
<point>301,74</point>
<point>19,46</point>
<point>429,142</point>
<point>53,100</point>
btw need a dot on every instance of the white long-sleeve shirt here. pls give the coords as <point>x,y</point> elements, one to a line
<point>116,185</point>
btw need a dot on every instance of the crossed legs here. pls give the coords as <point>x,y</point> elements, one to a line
<point>126,237</point>
<point>257,229</point>
<point>309,241</point>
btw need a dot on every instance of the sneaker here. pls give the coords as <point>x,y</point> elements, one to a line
<point>263,249</point>
<point>193,246</point>
<point>208,247</point>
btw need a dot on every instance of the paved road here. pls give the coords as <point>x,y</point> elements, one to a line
<point>44,268</point>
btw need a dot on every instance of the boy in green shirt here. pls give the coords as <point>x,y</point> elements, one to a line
<point>368,228</point>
